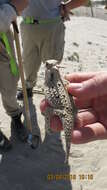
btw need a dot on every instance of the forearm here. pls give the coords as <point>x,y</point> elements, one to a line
<point>7,15</point>
<point>9,12</point>
<point>74,4</point>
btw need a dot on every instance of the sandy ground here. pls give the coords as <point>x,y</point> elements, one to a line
<point>25,169</point>
<point>94,12</point>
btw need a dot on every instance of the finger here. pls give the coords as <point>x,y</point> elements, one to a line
<point>56,124</point>
<point>83,104</point>
<point>100,103</point>
<point>61,11</point>
<point>89,133</point>
<point>84,90</point>
<point>91,88</point>
<point>79,77</point>
<point>43,105</point>
<point>85,117</point>
<point>103,117</point>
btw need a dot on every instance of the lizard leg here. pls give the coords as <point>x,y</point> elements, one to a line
<point>58,112</point>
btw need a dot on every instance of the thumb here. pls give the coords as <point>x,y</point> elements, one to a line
<point>91,88</point>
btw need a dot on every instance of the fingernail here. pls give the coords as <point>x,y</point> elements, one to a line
<point>77,134</point>
<point>75,85</point>
<point>66,77</point>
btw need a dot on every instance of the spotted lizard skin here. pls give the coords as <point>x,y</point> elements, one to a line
<point>61,103</point>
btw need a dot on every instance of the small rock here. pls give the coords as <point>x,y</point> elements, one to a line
<point>75,44</point>
<point>89,43</point>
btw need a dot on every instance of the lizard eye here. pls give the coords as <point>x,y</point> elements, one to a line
<point>59,84</point>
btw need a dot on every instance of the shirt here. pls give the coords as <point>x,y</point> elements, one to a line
<point>43,9</point>
<point>3,1</point>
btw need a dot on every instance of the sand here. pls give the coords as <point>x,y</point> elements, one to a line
<point>87,11</point>
<point>25,169</point>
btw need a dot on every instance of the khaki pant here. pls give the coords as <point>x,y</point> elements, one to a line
<point>8,82</point>
<point>40,43</point>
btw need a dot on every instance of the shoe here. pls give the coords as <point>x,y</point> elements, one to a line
<point>20,94</point>
<point>19,128</point>
<point>5,144</point>
<point>36,141</point>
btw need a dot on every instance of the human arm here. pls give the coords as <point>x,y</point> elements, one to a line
<point>8,13</point>
<point>72,4</point>
<point>69,5</point>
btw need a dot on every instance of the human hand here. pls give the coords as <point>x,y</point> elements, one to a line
<point>64,12</point>
<point>90,93</point>
<point>20,5</point>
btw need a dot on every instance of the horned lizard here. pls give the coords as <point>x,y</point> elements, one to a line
<point>61,103</point>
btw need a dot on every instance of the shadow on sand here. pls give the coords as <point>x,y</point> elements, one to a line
<point>23,168</point>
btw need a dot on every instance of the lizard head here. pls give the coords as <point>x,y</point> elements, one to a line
<point>51,73</point>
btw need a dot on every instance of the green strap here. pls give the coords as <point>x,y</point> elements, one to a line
<point>13,65</point>
<point>49,21</point>
<point>31,20</point>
